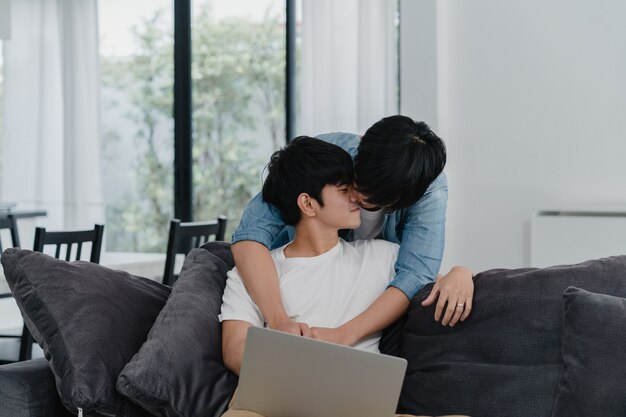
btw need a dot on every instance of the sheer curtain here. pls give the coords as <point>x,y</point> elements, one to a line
<point>349,75</point>
<point>5,19</point>
<point>51,155</point>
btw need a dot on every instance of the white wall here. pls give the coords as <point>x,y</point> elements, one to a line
<point>531,101</point>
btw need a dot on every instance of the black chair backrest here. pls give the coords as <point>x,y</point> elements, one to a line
<point>69,239</point>
<point>8,222</point>
<point>186,236</point>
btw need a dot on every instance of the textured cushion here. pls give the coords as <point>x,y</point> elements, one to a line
<point>179,370</point>
<point>89,320</point>
<point>505,360</point>
<point>27,389</point>
<point>594,342</point>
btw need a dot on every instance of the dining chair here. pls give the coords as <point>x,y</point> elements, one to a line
<point>186,236</point>
<point>64,243</point>
<point>9,222</point>
<point>68,240</point>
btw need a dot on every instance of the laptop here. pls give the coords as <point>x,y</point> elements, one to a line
<point>284,375</point>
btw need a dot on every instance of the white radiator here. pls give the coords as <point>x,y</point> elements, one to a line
<point>572,235</point>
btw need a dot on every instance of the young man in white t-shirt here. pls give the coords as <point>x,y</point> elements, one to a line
<point>324,281</point>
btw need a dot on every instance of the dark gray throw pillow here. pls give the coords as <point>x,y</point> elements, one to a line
<point>89,320</point>
<point>178,372</point>
<point>594,342</point>
<point>505,359</point>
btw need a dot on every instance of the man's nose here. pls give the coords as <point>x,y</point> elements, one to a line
<point>354,195</point>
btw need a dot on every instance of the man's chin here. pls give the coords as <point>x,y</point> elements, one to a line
<point>354,225</point>
<point>351,222</point>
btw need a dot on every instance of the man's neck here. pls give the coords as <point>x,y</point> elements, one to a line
<point>311,240</point>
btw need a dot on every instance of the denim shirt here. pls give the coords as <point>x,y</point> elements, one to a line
<point>418,229</point>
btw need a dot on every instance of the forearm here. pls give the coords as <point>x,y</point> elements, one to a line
<point>234,335</point>
<point>389,307</point>
<point>233,359</point>
<point>258,272</point>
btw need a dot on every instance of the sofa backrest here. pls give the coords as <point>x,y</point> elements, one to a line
<point>505,359</point>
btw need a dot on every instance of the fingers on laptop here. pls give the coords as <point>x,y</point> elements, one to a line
<point>305,330</point>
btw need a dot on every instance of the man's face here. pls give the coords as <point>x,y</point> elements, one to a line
<point>340,208</point>
<point>361,200</point>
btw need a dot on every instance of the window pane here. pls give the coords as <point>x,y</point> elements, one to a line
<point>136,41</point>
<point>238,98</point>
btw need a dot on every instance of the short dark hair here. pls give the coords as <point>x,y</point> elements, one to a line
<point>305,165</point>
<point>397,160</point>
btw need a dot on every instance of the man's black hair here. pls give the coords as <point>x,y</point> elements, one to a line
<point>397,160</point>
<point>305,165</point>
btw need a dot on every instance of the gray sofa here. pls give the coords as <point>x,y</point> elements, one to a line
<point>533,346</point>
<point>28,389</point>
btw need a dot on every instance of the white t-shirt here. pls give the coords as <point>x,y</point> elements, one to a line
<point>322,291</point>
<point>371,224</point>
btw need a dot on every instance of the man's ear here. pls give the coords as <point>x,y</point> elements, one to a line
<point>307,205</point>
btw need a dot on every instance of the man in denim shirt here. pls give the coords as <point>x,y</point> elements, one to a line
<point>403,193</point>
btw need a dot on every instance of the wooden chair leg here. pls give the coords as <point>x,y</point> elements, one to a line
<point>26,345</point>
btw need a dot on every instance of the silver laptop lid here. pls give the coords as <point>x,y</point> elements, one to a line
<point>284,375</point>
